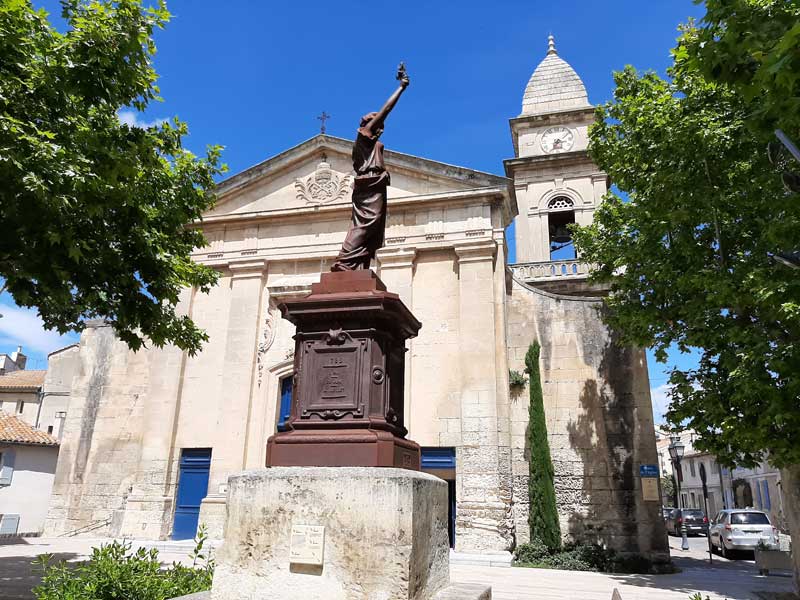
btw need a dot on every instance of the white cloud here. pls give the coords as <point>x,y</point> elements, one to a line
<point>134,118</point>
<point>661,401</point>
<point>23,327</point>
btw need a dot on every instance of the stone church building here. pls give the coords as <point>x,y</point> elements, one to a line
<point>151,437</point>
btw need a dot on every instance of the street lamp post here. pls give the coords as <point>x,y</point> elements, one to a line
<point>676,454</point>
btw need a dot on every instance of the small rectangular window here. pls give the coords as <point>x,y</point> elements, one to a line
<point>50,429</point>
<point>691,468</point>
<point>20,406</point>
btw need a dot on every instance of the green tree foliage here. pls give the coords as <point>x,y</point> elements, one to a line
<point>754,47</point>
<point>543,516</point>
<point>668,489</point>
<point>93,211</point>
<point>688,257</point>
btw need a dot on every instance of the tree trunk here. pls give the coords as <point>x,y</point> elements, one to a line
<point>790,484</point>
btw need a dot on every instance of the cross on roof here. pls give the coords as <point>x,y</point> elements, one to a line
<point>323,117</point>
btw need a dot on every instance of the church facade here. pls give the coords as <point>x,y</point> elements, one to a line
<point>151,437</point>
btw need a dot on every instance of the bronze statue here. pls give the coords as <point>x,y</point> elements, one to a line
<point>367,226</point>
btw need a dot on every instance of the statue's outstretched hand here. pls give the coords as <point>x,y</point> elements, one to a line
<point>402,76</point>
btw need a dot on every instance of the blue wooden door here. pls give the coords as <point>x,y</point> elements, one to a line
<point>192,488</point>
<point>442,463</point>
<point>286,403</point>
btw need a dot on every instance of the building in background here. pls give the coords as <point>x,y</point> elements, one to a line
<point>40,398</point>
<point>21,394</point>
<point>12,362</point>
<point>758,487</point>
<point>33,409</point>
<point>27,467</point>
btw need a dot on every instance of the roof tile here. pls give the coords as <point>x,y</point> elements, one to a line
<point>16,431</point>
<point>22,381</point>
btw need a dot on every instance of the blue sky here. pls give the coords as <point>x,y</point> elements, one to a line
<point>253,76</point>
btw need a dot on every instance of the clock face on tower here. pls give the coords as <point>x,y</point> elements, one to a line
<point>557,139</point>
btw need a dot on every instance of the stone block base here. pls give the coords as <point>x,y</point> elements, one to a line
<point>385,535</point>
<point>212,515</point>
<point>457,591</point>
<point>343,448</point>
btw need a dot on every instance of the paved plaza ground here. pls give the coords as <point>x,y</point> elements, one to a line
<point>731,580</point>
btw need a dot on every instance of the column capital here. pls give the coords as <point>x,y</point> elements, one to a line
<point>476,251</point>
<point>392,258</point>
<point>248,269</point>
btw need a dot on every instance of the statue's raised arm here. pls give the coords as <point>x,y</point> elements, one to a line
<point>368,222</point>
<point>377,122</point>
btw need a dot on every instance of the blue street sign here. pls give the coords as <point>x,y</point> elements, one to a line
<point>648,470</point>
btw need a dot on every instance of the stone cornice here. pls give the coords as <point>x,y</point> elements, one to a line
<point>558,116</point>
<point>478,251</point>
<point>395,258</point>
<point>245,269</point>
<point>579,157</point>
<point>496,193</point>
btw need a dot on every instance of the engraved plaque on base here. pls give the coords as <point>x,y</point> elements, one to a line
<point>307,546</point>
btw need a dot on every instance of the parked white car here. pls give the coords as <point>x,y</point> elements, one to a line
<point>741,529</point>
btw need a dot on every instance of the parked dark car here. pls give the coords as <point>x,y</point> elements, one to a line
<point>666,511</point>
<point>696,521</point>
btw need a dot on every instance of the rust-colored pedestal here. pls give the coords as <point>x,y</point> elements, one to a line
<point>347,407</point>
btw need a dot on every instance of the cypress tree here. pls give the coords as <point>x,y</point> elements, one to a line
<point>543,516</point>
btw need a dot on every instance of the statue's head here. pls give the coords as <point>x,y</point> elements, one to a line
<point>367,118</point>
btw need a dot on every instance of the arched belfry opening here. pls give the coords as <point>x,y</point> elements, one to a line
<point>560,215</point>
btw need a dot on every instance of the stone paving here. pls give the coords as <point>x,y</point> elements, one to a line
<point>725,580</point>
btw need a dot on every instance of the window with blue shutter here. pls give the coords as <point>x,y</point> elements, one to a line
<point>767,501</point>
<point>7,469</point>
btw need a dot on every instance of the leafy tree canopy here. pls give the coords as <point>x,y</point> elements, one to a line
<point>93,211</point>
<point>687,256</point>
<point>754,47</point>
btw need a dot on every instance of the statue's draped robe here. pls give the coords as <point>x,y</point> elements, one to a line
<point>369,204</point>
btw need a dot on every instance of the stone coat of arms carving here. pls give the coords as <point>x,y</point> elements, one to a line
<point>324,185</point>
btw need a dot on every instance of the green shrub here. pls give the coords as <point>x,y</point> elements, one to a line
<point>543,515</point>
<point>534,552</point>
<point>581,557</point>
<point>516,380</point>
<point>114,572</point>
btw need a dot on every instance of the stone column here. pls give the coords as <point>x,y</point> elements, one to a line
<point>239,376</point>
<point>396,270</point>
<point>482,512</point>
<point>149,507</point>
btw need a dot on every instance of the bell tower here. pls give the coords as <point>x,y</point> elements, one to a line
<point>555,181</point>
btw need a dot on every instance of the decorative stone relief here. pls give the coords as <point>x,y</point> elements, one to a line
<point>324,185</point>
<point>267,338</point>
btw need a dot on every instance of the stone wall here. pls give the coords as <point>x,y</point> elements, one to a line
<point>599,422</point>
<point>102,437</point>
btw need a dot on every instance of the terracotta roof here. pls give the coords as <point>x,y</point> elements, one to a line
<point>22,381</point>
<point>554,86</point>
<point>15,431</point>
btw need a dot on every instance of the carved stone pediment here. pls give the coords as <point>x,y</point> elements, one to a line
<point>324,185</point>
